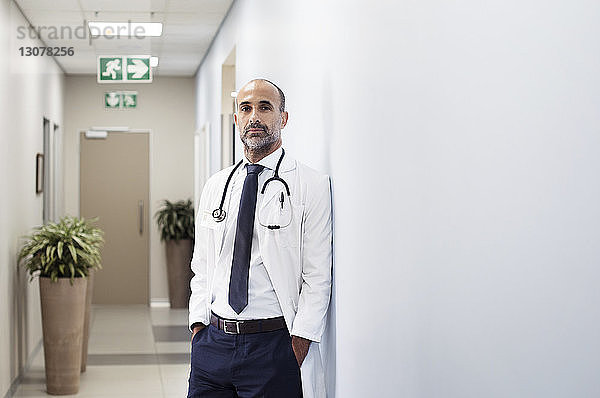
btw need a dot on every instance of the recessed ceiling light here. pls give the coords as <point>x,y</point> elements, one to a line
<point>125,29</point>
<point>153,62</point>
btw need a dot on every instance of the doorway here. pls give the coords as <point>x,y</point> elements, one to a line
<point>228,136</point>
<point>48,174</point>
<point>114,186</point>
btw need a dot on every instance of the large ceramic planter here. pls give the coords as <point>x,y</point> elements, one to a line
<point>179,273</point>
<point>63,310</point>
<point>86,320</point>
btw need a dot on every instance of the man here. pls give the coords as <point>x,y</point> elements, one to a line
<point>262,265</point>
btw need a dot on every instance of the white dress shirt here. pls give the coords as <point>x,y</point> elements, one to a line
<point>262,300</point>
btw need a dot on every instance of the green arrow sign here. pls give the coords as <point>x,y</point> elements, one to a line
<point>138,68</point>
<point>124,69</point>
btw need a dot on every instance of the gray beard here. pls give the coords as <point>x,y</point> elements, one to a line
<point>257,144</point>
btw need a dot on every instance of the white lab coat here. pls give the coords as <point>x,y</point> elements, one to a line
<point>297,257</point>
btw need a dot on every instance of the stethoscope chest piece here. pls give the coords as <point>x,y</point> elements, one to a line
<point>219,215</point>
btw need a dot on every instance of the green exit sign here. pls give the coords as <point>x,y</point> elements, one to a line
<point>120,99</point>
<point>124,69</point>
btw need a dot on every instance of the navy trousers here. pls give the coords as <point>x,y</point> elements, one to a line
<point>256,365</point>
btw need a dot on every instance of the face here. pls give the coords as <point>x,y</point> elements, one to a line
<point>257,117</point>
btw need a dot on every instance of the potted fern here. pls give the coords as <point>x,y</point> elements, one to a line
<point>176,223</point>
<point>62,255</point>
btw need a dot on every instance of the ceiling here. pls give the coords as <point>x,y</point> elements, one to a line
<point>189,27</point>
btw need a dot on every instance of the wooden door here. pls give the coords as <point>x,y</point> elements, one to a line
<point>114,186</point>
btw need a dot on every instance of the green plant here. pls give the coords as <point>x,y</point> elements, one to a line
<point>67,249</point>
<point>176,220</point>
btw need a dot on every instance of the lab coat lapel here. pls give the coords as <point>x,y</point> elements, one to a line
<point>220,231</point>
<point>272,256</point>
<point>270,252</point>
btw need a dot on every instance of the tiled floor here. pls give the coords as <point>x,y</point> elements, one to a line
<point>134,351</point>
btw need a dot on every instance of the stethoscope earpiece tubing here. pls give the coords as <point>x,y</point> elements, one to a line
<point>220,214</point>
<point>275,178</point>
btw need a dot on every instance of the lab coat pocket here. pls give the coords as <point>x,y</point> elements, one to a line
<point>282,220</point>
<point>215,230</point>
<point>208,221</point>
<point>290,235</point>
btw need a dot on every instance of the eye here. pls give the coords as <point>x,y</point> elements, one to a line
<point>265,108</point>
<point>245,108</point>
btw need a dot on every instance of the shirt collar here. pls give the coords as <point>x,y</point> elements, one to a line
<point>269,161</point>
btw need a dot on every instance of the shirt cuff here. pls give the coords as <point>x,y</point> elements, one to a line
<point>305,335</point>
<point>196,324</point>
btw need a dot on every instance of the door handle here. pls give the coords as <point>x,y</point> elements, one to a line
<point>141,216</point>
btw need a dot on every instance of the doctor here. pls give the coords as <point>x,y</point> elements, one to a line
<point>262,265</point>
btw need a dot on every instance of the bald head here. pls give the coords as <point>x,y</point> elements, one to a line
<point>255,83</point>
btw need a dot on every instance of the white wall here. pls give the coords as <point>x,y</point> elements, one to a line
<point>31,88</point>
<point>462,140</point>
<point>166,107</point>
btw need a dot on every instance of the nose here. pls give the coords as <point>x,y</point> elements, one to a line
<point>254,116</point>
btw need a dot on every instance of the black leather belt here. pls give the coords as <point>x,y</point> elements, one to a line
<point>250,326</point>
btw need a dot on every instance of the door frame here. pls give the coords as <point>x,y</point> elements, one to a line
<point>115,129</point>
<point>49,172</point>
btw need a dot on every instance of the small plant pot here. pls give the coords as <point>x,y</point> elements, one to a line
<point>179,273</point>
<point>63,310</point>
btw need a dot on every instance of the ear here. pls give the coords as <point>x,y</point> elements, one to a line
<point>284,119</point>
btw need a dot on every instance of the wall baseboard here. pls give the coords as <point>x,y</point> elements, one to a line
<point>13,387</point>
<point>17,381</point>
<point>160,303</point>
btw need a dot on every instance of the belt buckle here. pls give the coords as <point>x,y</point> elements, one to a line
<point>237,327</point>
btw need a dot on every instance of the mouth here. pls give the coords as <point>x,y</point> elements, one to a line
<point>255,131</point>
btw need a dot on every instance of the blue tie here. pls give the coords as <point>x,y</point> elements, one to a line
<point>240,267</point>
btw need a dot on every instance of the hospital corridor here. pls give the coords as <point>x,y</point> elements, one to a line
<point>151,359</point>
<point>299,198</point>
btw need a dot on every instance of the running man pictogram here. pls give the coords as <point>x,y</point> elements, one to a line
<point>112,67</point>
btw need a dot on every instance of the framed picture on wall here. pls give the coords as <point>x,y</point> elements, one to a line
<point>39,173</point>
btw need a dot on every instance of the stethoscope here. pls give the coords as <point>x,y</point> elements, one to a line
<point>220,214</point>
